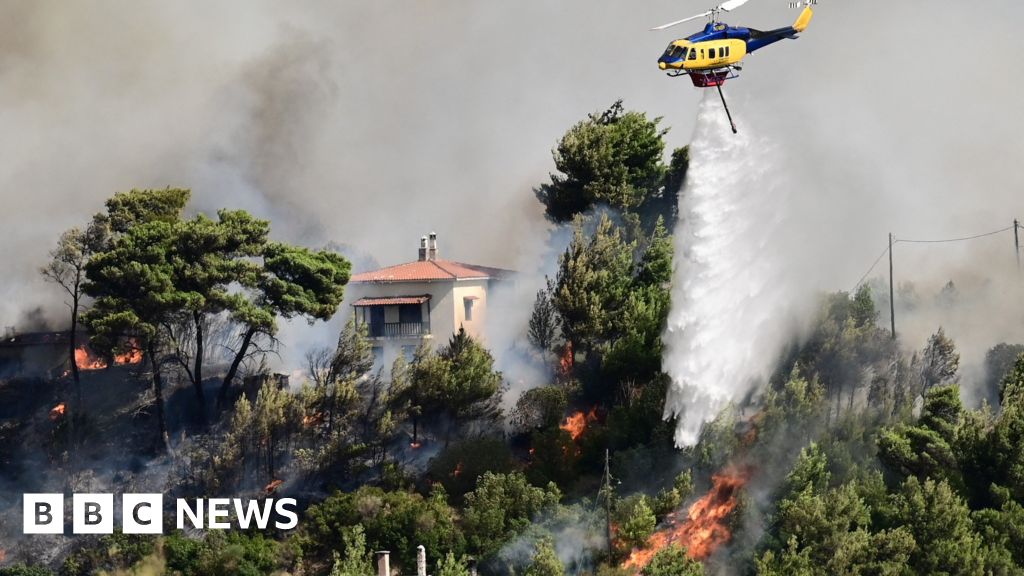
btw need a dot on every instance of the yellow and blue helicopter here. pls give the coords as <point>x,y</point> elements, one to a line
<point>714,55</point>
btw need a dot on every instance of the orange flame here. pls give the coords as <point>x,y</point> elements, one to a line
<point>269,488</point>
<point>705,527</point>
<point>57,412</point>
<point>566,360</point>
<point>458,470</point>
<point>576,424</point>
<point>86,360</point>
<point>313,419</point>
<point>3,554</point>
<point>415,445</point>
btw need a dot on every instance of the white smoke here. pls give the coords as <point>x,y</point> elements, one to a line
<point>733,292</point>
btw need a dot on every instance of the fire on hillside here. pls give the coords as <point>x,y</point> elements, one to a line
<point>575,424</point>
<point>85,359</point>
<point>705,526</point>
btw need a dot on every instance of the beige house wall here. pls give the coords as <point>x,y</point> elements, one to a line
<point>446,312</point>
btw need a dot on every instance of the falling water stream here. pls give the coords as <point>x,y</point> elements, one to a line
<point>729,296</point>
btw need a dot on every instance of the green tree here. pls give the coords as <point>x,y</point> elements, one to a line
<point>456,386</point>
<point>940,523</point>
<point>66,269</point>
<point>543,326</point>
<point>635,520</point>
<point>999,361</point>
<point>545,561</point>
<point>357,559</point>
<point>132,282</point>
<point>293,282</point>
<point>673,561</point>
<point>451,566</point>
<point>539,408</point>
<point>594,277</point>
<point>927,450</point>
<point>501,506</point>
<point>612,158</point>
<point>940,361</point>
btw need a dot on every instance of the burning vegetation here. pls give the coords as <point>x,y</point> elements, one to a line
<point>57,412</point>
<point>576,424</point>
<point>704,528</point>
<point>85,359</point>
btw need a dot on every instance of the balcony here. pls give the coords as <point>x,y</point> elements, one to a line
<point>398,329</point>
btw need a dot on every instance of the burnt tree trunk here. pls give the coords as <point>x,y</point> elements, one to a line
<point>222,395</point>
<point>158,392</point>
<point>198,369</point>
<point>72,345</point>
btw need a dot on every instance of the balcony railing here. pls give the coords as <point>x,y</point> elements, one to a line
<point>398,329</point>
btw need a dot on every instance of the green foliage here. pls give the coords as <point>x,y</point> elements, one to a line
<point>501,506</point>
<point>927,450</point>
<point>545,561</point>
<point>940,522</point>
<point>456,386</point>
<point>25,570</point>
<point>613,158</point>
<point>673,561</point>
<point>999,361</point>
<point>635,520</point>
<point>594,276</point>
<point>397,521</point>
<point>117,551</point>
<point>540,408</point>
<point>543,327</point>
<point>939,362</point>
<point>450,566</point>
<point>357,559</point>
<point>459,466</point>
<point>796,409</point>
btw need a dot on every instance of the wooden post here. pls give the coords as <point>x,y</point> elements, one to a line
<point>1016,241</point>
<point>608,500</point>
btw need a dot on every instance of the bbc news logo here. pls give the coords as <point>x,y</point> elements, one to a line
<point>144,513</point>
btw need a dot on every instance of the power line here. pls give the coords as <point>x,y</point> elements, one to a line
<point>877,260</point>
<point>992,233</point>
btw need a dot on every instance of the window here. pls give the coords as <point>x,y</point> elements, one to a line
<point>467,303</point>
<point>409,352</point>
<point>410,313</point>
<point>701,53</point>
<point>726,51</point>
<point>693,54</point>
<point>711,53</point>
<point>378,358</point>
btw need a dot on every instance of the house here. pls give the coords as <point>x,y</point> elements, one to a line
<point>426,300</point>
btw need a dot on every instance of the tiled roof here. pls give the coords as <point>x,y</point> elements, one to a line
<point>392,300</point>
<point>430,270</point>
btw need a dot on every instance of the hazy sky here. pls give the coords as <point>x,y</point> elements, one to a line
<point>373,122</point>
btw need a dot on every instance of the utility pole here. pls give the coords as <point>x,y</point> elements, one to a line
<point>608,499</point>
<point>1016,241</point>
<point>892,299</point>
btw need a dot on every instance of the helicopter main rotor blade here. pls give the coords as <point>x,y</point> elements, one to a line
<point>671,24</point>
<point>730,5</point>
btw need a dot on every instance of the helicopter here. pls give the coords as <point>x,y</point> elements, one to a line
<point>715,54</point>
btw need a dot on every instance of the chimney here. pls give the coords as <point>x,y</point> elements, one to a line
<point>433,246</point>
<point>423,248</point>
<point>383,563</point>
<point>421,561</point>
